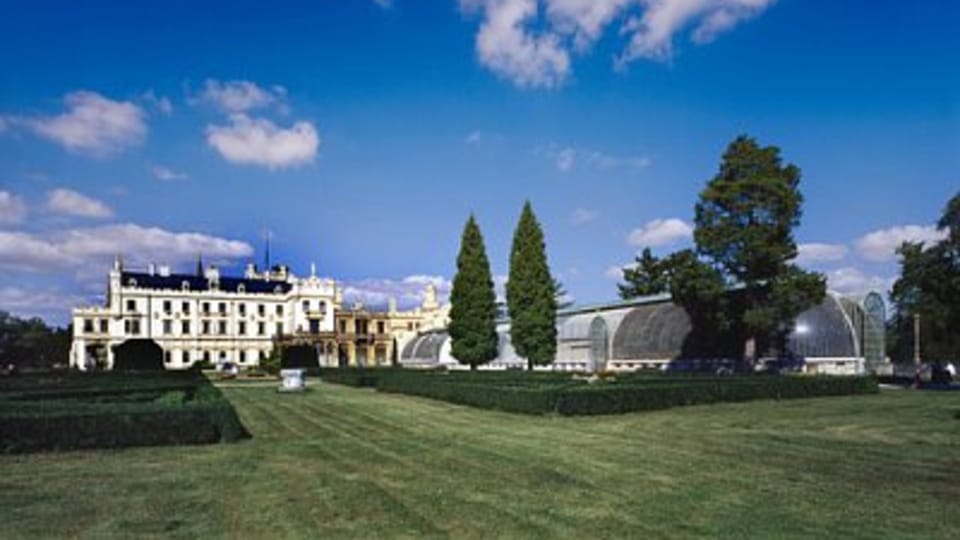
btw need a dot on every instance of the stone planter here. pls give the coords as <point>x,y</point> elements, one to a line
<point>293,380</point>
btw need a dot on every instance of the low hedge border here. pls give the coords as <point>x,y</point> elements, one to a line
<point>53,419</point>
<point>579,398</point>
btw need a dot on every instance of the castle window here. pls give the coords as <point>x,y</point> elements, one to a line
<point>306,305</point>
<point>206,307</point>
<point>87,326</point>
<point>185,285</point>
<point>280,329</point>
<point>206,356</point>
<point>104,326</point>
<point>261,328</point>
<point>131,305</point>
<point>167,327</point>
<point>205,328</point>
<point>167,306</point>
<point>242,357</point>
<point>323,307</point>
<point>279,309</point>
<point>242,308</point>
<point>185,327</point>
<point>379,327</point>
<point>278,289</point>
<point>242,328</point>
<point>185,307</point>
<point>132,282</point>
<point>167,357</point>
<point>185,358</point>
<point>261,310</point>
<point>222,327</point>
<point>241,288</point>
<point>222,308</point>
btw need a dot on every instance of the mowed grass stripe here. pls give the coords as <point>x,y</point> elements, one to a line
<point>342,462</point>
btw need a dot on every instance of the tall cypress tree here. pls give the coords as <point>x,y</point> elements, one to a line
<point>531,294</point>
<point>473,309</point>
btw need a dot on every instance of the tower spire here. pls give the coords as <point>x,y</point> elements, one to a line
<point>199,264</point>
<point>266,252</point>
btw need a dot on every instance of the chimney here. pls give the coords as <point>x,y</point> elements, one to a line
<point>151,269</point>
<point>164,270</point>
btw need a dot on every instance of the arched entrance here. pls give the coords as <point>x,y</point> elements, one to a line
<point>138,355</point>
<point>599,340</point>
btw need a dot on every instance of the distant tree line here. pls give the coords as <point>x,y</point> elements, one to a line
<point>929,288</point>
<point>31,343</point>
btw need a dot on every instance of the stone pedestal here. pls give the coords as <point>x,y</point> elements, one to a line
<point>293,380</point>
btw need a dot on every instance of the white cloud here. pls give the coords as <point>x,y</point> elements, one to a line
<point>852,281</point>
<point>166,174</point>
<point>473,138</point>
<point>71,203</point>
<point>93,125</point>
<point>529,42</point>
<point>566,158</point>
<point>161,103</point>
<point>240,96</point>
<point>258,141</point>
<point>3,124</point>
<point>881,245</point>
<point>615,272</point>
<point>50,305</point>
<point>506,44</point>
<point>385,4</point>
<point>584,19</point>
<point>12,209</point>
<point>652,34</point>
<point>91,249</point>
<point>660,232</point>
<point>375,293</point>
<point>818,252</point>
<point>582,216</point>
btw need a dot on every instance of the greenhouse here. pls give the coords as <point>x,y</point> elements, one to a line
<point>841,335</point>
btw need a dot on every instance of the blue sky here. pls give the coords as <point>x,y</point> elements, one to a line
<point>363,133</point>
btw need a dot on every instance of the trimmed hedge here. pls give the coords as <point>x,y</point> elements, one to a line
<point>102,412</point>
<point>571,397</point>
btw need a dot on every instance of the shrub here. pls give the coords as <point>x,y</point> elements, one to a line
<point>110,412</point>
<point>138,355</point>
<point>540,395</point>
<point>271,364</point>
<point>298,356</point>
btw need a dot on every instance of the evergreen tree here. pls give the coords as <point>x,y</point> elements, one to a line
<point>531,294</point>
<point>560,295</point>
<point>648,276</point>
<point>744,227</point>
<point>473,309</point>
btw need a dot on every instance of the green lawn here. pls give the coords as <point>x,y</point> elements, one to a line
<point>341,461</point>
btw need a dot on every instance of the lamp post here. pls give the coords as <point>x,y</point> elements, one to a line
<point>916,338</point>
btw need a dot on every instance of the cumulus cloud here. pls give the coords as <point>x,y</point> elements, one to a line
<point>473,138</point>
<point>260,142</point>
<point>12,209</point>
<point>375,293</point>
<point>616,272</point>
<point>651,35</point>
<point>849,280</point>
<point>240,96</point>
<point>385,4</point>
<point>530,42</point>
<point>92,248</point>
<point>818,252</point>
<point>51,305</point>
<point>508,46</point>
<point>660,232</point>
<point>166,174</point>
<point>71,203</point>
<point>92,125</point>
<point>881,245</point>
<point>566,158</point>
<point>582,216</point>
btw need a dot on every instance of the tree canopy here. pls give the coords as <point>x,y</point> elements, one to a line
<point>473,308</point>
<point>929,286</point>
<point>649,275</point>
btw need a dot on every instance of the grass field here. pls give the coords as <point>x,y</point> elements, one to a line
<point>341,461</point>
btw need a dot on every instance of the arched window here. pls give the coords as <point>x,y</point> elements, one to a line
<point>185,285</point>
<point>132,282</point>
<point>241,288</point>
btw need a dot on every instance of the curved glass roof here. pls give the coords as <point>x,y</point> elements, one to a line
<point>654,331</point>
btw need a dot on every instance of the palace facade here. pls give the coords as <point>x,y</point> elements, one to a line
<point>214,319</point>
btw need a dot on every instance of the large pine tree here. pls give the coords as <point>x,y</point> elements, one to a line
<point>531,294</point>
<point>648,276</point>
<point>744,227</point>
<point>473,309</point>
